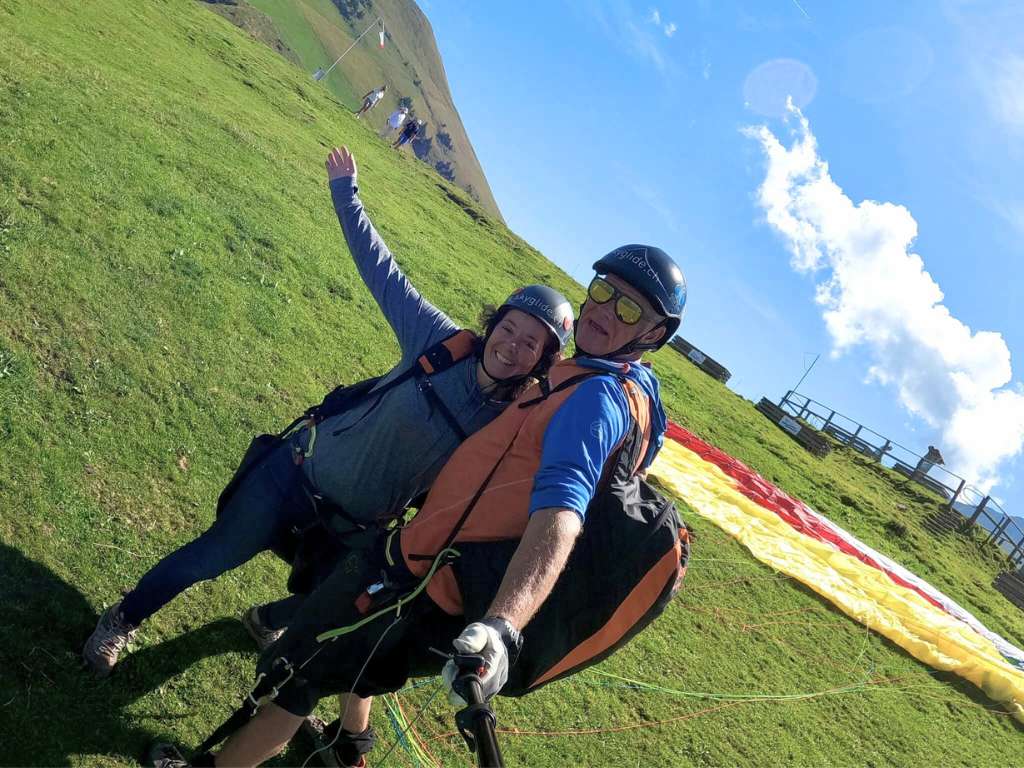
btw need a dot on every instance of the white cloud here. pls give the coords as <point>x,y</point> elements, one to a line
<point>642,44</point>
<point>877,294</point>
<point>1004,87</point>
<point>989,35</point>
<point>629,31</point>
<point>1012,211</point>
<point>669,27</point>
<point>705,70</point>
<point>770,85</point>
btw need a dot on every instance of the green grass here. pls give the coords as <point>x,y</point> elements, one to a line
<point>410,65</point>
<point>173,280</point>
<point>296,22</point>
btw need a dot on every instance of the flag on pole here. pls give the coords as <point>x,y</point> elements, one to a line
<point>382,33</point>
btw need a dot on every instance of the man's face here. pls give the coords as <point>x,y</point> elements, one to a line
<point>600,331</point>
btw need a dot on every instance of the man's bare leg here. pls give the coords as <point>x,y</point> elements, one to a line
<point>354,712</point>
<point>264,736</point>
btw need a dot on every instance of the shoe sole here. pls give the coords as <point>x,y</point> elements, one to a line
<point>99,673</point>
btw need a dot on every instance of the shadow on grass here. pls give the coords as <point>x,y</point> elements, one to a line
<point>50,707</point>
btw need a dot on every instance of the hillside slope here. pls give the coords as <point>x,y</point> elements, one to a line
<point>255,22</point>
<point>410,65</point>
<point>173,281</point>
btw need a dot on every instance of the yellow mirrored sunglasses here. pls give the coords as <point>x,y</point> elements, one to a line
<point>627,310</point>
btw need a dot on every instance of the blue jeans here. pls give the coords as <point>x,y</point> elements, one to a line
<point>268,503</point>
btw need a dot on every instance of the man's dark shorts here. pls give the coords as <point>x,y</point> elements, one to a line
<point>335,667</point>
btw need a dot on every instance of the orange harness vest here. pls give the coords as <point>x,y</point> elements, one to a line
<point>511,447</point>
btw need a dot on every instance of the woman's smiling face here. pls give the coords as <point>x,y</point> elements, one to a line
<point>515,346</point>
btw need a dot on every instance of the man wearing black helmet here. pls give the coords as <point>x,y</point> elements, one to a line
<point>528,477</point>
<point>635,304</point>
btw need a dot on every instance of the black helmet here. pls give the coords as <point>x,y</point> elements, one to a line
<point>547,305</point>
<point>652,272</point>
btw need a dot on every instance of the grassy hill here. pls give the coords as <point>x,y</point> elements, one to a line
<point>172,280</point>
<point>255,22</point>
<point>319,31</point>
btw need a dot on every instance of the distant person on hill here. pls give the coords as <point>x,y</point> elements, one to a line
<point>394,122</point>
<point>370,100</point>
<point>412,128</point>
<point>339,477</point>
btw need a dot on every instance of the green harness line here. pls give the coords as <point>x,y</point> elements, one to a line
<point>331,634</point>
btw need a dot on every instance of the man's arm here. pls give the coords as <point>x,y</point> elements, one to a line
<point>577,442</point>
<point>529,579</point>
<point>536,565</point>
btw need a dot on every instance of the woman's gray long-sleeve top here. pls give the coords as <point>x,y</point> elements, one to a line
<point>374,466</point>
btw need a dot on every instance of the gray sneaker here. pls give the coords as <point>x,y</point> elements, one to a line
<point>111,636</point>
<point>164,756</point>
<point>262,634</point>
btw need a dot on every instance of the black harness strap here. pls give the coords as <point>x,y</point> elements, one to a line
<point>547,391</point>
<point>428,390</point>
<point>439,357</point>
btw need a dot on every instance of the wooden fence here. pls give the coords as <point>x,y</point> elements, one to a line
<point>711,367</point>
<point>813,441</point>
<point>973,506</point>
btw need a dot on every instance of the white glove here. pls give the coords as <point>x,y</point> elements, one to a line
<point>484,641</point>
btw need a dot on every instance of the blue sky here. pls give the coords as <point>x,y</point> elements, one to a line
<point>601,123</point>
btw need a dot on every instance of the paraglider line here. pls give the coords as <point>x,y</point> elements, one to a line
<point>801,9</point>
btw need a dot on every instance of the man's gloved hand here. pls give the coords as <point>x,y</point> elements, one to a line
<point>496,641</point>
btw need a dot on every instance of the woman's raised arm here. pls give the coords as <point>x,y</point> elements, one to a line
<point>416,322</point>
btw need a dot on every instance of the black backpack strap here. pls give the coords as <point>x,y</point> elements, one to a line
<point>446,353</point>
<point>428,390</point>
<point>546,391</point>
<point>437,358</point>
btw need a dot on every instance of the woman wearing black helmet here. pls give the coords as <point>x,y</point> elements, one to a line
<point>369,461</point>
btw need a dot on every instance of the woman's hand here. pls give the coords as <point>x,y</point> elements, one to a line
<point>340,164</point>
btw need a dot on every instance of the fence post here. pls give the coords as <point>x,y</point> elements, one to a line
<point>884,450</point>
<point>998,531</point>
<point>785,398</point>
<point>828,421</point>
<point>853,437</point>
<point>977,512</point>
<point>956,495</point>
<point>1016,549</point>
